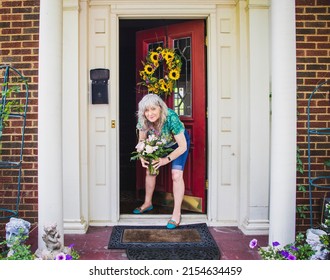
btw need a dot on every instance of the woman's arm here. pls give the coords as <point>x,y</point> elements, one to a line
<point>143,136</point>
<point>182,147</point>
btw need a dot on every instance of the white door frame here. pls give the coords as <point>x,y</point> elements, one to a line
<point>230,200</point>
<point>160,219</point>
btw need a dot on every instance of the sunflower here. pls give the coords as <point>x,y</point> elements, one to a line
<point>169,57</point>
<point>174,74</point>
<point>148,69</point>
<point>154,57</point>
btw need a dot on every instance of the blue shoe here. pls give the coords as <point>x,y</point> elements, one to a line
<point>171,224</point>
<point>139,210</point>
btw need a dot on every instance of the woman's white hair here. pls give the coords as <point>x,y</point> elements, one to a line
<point>151,100</point>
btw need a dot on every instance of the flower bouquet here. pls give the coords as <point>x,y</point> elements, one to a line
<point>151,149</point>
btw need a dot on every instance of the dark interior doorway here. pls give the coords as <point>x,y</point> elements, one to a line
<point>127,109</point>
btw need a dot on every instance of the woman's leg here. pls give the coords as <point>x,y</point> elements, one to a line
<point>178,182</point>
<point>150,187</point>
<point>178,193</point>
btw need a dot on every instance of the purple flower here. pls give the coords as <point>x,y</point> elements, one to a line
<point>60,257</point>
<point>294,248</point>
<point>275,243</point>
<point>68,257</point>
<point>291,257</point>
<point>71,245</point>
<point>253,243</point>
<point>284,253</point>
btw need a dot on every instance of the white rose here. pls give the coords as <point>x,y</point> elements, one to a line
<point>149,149</point>
<point>140,146</point>
<point>152,137</point>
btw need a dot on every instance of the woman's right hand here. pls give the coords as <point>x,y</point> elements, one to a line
<point>144,162</point>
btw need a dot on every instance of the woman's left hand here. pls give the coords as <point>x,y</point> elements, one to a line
<point>159,162</point>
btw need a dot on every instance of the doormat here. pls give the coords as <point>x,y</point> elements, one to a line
<point>187,242</point>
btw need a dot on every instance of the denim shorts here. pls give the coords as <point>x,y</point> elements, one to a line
<point>180,162</point>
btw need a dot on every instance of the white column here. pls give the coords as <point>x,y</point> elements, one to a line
<point>50,201</point>
<point>72,192</point>
<point>256,117</point>
<point>283,139</point>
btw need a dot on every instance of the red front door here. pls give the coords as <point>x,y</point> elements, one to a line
<point>188,100</point>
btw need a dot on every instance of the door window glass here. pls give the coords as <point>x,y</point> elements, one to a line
<point>182,91</point>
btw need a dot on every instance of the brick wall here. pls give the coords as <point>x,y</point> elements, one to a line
<point>313,65</point>
<point>19,35</point>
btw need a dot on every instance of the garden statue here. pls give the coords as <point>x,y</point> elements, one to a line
<point>17,229</point>
<point>52,238</point>
<point>54,246</point>
<point>313,238</point>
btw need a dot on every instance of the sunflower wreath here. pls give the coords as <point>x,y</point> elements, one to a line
<point>172,69</point>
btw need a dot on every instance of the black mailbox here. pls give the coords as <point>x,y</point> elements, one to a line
<point>100,79</point>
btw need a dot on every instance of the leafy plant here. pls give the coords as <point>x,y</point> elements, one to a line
<point>301,209</point>
<point>18,250</point>
<point>8,106</point>
<point>325,240</point>
<point>300,165</point>
<point>74,254</point>
<point>326,224</point>
<point>298,250</point>
<point>302,188</point>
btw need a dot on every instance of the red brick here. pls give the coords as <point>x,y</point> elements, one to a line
<point>323,46</point>
<point>11,31</point>
<point>306,45</point>
<point>322,2</point>
<point>309,31</point>
<point>305,2</point>
<point>318,10</point>
<point>323,31</point>
<point>323,17</point>
<point>317,38</point>
<point>316,24</point>
<point>316,53</point>
<point>316,67</point>
<point>22,24</point>
<point>304,17</point>
<point>11,17</point>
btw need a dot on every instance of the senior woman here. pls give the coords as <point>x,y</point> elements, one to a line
<point>155,118</point>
